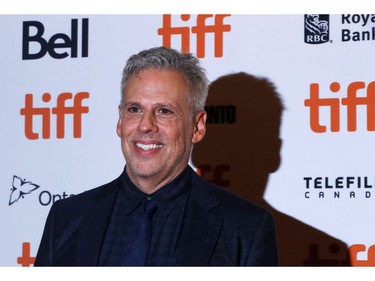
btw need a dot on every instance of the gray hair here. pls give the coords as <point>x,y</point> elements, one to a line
<point>163,58</point>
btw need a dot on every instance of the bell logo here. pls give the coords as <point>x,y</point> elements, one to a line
<point>59,41</point>
<point>200,30</point>
<point>60,111</point>
<point>352,101</point>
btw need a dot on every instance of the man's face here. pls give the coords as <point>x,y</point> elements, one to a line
<point>156,127</point>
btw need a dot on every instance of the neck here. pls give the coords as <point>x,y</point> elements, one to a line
<point>149,185</point>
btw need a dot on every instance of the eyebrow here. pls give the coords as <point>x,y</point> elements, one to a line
<point>156,105</point>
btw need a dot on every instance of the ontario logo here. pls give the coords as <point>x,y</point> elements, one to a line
<point>22,187</point>
<point>316,29</point>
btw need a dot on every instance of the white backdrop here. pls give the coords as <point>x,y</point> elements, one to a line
<point>34,172</point>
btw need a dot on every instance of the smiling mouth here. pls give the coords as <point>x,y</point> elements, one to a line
<point>148,146</point>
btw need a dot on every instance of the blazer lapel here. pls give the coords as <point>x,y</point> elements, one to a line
<point>202,226</point>
<point>94,225</point>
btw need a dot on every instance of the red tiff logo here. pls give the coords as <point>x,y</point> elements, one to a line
<point>200,30</point>
<point>60,111</point>
<point>26,259</point>
<point>356,249</point>
<point>357,94</point>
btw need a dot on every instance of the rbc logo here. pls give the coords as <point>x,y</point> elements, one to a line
<point>316,29</point>
<point>57,45</point>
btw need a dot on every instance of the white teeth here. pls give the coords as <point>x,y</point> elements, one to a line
<point>148,146</point>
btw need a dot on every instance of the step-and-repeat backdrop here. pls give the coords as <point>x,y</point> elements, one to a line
<point>291,120</point>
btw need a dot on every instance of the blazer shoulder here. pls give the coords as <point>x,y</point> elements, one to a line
<point>80,201</point>
<point>227,201</point>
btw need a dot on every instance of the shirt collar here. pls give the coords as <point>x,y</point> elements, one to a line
<point>166,197</point>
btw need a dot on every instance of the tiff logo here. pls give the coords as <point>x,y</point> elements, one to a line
<point>60,111</point>
<point>355,249</point>
<point>26,259</point>
<point>200,30</point>
<point>352,101</point>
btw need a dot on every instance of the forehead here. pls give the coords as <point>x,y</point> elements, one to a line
<point>152,84</point>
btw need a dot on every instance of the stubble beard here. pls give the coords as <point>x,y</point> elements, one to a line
<point>139,168</point>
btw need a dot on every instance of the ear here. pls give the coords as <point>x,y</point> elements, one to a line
<point>199,126</point>
<point>119,122</point>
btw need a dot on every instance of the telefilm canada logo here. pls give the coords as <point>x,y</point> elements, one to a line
<point>345,187</point>
<point>22,187</point>
<point>316,29</point>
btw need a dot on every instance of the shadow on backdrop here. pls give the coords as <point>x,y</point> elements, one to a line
<point>242,148</point>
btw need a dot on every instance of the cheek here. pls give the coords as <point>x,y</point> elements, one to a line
<point>172,134</point>
<point>126,127</point>
<point>184,135</point>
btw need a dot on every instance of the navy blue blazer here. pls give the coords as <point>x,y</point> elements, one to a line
<point>220,229</point>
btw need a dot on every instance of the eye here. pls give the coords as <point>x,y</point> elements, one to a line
<point>133,109</point>
<point>165,111</point>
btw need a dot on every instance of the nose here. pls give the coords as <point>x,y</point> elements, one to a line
<point>147,122</point>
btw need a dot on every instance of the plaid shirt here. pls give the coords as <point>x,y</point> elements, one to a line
<point>167,221</point>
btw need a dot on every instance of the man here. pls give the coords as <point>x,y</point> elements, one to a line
<point>194,223</point>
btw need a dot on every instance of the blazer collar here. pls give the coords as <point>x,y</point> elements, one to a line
<point>94,224</point>
<point>202,225</point>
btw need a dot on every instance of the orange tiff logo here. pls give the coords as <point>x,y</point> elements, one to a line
<point>60,111</point>
<point>201,29</point>
<point>357,94</point>
<point>355,249</point>
<point>25,259</point>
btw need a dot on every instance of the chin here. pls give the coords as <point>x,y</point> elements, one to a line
<point>145,172</point>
